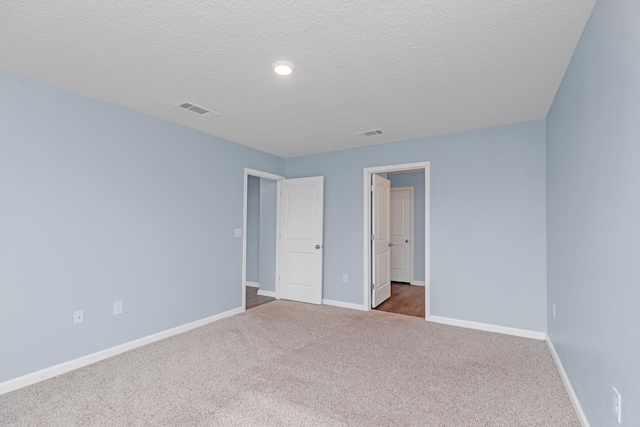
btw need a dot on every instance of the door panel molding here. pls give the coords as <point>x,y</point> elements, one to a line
<point>300,239</point>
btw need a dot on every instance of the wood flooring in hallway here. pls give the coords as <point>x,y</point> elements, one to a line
<point>254,300</point>
<point>405,299</point>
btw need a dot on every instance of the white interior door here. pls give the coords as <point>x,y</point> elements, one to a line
<point>401,234</point>
<point>381,254</point>
<point>301,228</point>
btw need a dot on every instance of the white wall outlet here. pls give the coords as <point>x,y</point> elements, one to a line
<point>345,278</point>
<point>237,232</point>
<point>617,405</point>
<point>117,307</point>
<point>78,316</point>
<point>554,311</point>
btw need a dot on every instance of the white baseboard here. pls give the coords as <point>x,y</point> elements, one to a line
<point>252,284</point>
<point>344,304</point>
<point>417,282</point>
<point>567,384</point>
<point>43,374</point>
<point>264,293</point>
<point>525,333</point>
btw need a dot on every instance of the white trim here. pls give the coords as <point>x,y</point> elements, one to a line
<point>350,305</point>
<point>264,293</point>
<point>278,235</point>
<point>43,374</point>
<point>252,284</point>
<point>427,296</point>
<point>525,333</point>
<point>427,240</point>
<point>259,174</point>
<point>417,283</point>
<point>366,191</point>
<point>582,417</point>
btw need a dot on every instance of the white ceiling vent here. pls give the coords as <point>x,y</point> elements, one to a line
<point>197,109</point>
<point>368,133</point>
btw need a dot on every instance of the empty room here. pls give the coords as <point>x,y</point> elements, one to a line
<point>161,161</point>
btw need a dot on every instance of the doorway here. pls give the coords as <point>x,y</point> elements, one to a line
<point>259,259</point>
<point>290,238</point>
<point>421,250</point>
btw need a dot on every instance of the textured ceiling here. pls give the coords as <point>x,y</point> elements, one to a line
<point>411,68</point>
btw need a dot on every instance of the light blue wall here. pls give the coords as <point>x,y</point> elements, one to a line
<point>99,203</point>
<point>268,234</point>
<point>253,229</point>
<point>488,242</point>
<point>415,180</point>
<point>593,181</point>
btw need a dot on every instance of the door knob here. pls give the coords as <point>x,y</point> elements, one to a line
<point>317,246</point>
<point>390,244</point>
<point>406,241</point>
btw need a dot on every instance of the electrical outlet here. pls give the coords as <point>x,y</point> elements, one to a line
<point>617,405</point>
<point>554,311</point>
<point>345,278</point>
<point>78,316</point>
<point>117,307</point>
<point>237,232</point>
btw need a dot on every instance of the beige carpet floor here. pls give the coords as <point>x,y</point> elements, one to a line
<point>293,364</point>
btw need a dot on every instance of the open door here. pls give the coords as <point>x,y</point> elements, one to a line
<point>381,243</point>
<point>301,239</point>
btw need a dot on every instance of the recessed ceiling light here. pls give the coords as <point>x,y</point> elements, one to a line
<point>284,68</point>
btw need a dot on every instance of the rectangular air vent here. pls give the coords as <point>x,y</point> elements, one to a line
<point>197,109</point>
<point>369,133</point>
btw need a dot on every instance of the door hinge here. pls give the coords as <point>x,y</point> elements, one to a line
<point>372,188</point>
<point>373,286</point>
<point>372,237</point>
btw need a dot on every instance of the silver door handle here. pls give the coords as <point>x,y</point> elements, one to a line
<point>390,244</point>
<point>406,241</point>
<point>317,246</point>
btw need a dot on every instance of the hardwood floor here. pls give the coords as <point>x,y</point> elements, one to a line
<point>405,299</point>
<point>254,300</point>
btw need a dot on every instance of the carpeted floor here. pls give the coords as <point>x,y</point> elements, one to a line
<point>290,364</point>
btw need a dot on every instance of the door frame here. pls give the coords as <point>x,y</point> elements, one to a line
<point>411,202</point>
<point>260,174</point>
<point>366,235</point>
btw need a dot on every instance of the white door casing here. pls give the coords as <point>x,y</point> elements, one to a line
<point>367,219</point>
<point>381,249</point>
<point>401,234</point>
<point>301,239</point>
<point>260,174</point>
